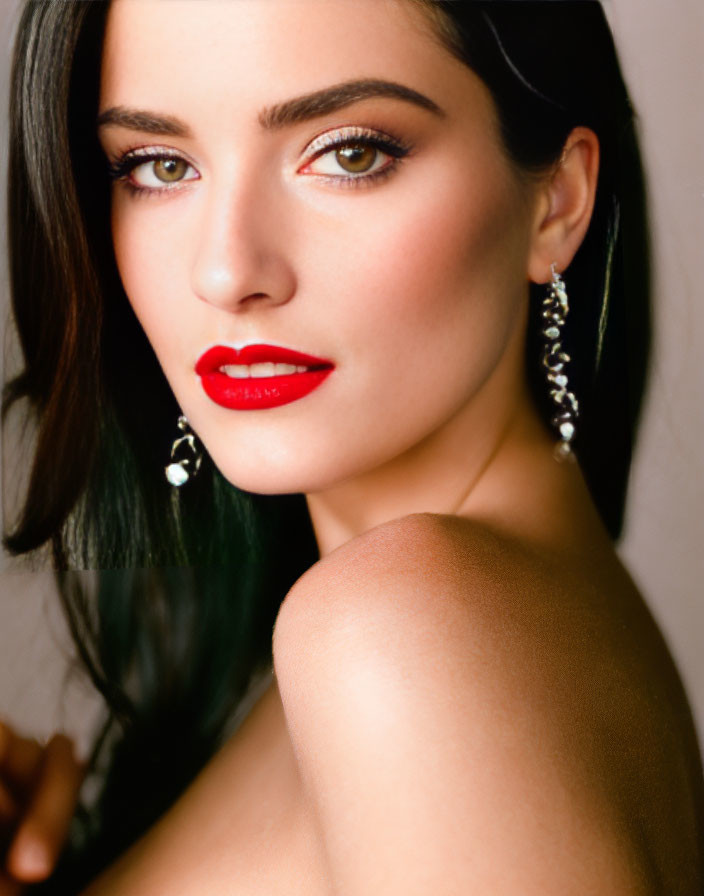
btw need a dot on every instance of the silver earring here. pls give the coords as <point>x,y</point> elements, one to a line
<point>555,310</point>
<point>185,456</point>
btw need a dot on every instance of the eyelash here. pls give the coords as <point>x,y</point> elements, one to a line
<point>120,169</point>
<point>328,143</point>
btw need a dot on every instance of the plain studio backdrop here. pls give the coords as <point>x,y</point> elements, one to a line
<point>661,46</point>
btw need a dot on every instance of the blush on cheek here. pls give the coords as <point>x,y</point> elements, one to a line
<point>422,254</point>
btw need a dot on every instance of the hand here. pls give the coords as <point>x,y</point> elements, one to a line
<point>38,793</point>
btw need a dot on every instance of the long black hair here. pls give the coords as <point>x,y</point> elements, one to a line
<point>179,615</point>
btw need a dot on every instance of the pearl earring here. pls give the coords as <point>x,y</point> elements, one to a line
<point>185,456</point>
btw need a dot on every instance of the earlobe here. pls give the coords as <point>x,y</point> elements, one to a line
<point>565,207</point>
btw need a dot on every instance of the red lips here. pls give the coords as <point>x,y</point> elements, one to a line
<point>252,393</point>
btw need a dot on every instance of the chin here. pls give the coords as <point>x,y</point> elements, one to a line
<point>295,471</point>
<point>288,459</point>
<point>266,477</point>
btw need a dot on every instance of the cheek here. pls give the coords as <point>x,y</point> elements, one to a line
<point>151,272</point>
<point>436,268</point>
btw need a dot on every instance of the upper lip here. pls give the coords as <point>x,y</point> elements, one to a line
<point>223,355</point>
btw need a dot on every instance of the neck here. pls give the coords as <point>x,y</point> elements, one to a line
<point>441,474</point>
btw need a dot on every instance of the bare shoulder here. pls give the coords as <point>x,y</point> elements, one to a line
<point>424,584</point>
<point>459,588</point>
<point>450,691</point>
<point>414,560</point>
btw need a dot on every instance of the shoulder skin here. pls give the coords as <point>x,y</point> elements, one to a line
<point>430,696</point>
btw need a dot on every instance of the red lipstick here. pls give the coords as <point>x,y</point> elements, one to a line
<point>227,381</point>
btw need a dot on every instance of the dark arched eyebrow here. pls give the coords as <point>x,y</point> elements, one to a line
<point>302,108</point>
<point>147,122</point>
<point>330,99</point>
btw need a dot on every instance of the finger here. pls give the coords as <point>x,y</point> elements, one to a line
<point>44,829</point>
<point>20,758</point>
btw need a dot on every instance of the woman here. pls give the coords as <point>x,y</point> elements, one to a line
<point>468,693</point>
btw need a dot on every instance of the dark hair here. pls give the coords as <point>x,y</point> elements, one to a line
<point>181,612</point>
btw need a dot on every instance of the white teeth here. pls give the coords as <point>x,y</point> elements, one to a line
<point>238,371</point>
<point>247,371</point>
<point>266,369</point>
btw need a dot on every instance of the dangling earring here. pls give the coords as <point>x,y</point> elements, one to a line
<point>555,310</point>
<point>185,456</point>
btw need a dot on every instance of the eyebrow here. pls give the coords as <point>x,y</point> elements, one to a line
<point>148,122</point>
<point>280,115</point>
<point>330,99</point>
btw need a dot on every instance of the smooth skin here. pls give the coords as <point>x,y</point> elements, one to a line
<point>469,694</point>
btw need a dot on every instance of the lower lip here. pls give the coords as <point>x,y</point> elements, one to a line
<point>255,393</point>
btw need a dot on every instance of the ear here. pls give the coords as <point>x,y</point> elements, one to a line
<point>564,206</point>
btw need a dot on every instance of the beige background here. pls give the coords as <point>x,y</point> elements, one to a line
<point>661,45</point>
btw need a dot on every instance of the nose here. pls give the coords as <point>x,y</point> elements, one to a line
<point>241,258</point>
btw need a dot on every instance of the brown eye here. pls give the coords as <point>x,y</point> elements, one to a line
<point>155,172</point>
<point>353,156</point>
<point>170,170</point>
<point>356,158</point>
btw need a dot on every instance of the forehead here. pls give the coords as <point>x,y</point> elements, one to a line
<point>249,53</point>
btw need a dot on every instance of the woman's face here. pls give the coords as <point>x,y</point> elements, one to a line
<point>379,229</point>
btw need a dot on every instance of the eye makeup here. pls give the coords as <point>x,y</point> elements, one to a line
<point>351,138</point>
<point>120,169</point>
<point>341,144</point>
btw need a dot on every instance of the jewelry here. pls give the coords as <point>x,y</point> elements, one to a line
<point>555,310</point>
<point>185,456</point>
